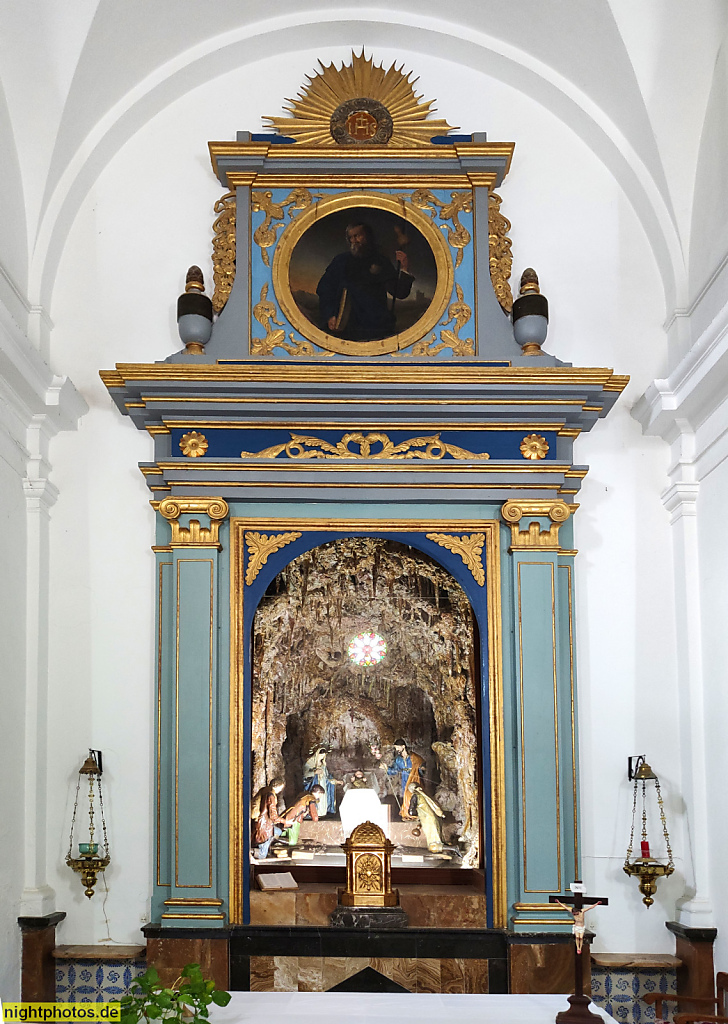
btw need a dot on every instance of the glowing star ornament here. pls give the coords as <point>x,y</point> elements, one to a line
<point>367,649</point>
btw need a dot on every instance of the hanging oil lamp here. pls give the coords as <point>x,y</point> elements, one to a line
<point>89,862</point>
<point>646,867</point>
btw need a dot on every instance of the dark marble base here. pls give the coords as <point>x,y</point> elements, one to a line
<point>376,918</point>
<point>38,974</point>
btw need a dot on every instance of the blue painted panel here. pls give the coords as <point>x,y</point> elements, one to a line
<point>194,696</point>
<point>567,725</point>
<point>539,729</point>
<point>164,824</point>
<point>225,443</point>
<point>261,272</point>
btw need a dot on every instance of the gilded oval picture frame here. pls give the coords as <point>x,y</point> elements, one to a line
<point>362,273</point>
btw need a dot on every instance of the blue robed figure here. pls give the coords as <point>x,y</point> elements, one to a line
<point>316,773</point>
<point>355,288</point>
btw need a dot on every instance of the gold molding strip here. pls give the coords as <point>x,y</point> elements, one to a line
<point>378,373</point>
<point>260,546</point>
<point>470,549</point>
<point>203,424</point>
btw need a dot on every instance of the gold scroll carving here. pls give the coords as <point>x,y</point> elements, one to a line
<point>303,447</point>
<point>265,235</point>
<point>223,250</point>
<point>459,312</point>
<point>460,202</point>
<point>260,546</point>
<point>501,257</point>
<point>535,538</point>
<point>266,313</point>
<point>195,535</point>
<point>469,547</point>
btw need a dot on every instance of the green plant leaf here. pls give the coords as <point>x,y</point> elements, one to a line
<point>221,998</point>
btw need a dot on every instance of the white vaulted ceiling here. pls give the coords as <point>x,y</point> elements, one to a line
<point>79,79</point>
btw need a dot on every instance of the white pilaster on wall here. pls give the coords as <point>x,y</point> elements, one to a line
<point>690,412</point>
<point>37,405</point>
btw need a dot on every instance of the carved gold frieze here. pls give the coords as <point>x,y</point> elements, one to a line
<point>469,547</point>
<point>260,546</point>
<point>266,313</point>
<point>223,250</point>
<point>265,235</point>
<point>534,446</point>
<point>303,447</point>
<point>360,104</point>
<point>194,535</point>
<point>460,202</point>
<point>501,258</point>
<point>193,444</point>
<point>459,312</point>
<point>535,538</point>
<point>369,874</point>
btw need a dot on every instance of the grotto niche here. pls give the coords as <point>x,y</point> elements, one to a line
<point>360,645</point>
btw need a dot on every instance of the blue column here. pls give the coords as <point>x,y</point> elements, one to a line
<point>544,811</point>
<point>189,889</point>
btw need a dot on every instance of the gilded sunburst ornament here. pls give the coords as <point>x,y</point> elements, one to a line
<point>360,104</point>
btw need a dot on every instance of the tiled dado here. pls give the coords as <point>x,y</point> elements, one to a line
<point>88,981</point>
<point>620,992</point>
<point>426,906</point>
<point>319,974</point>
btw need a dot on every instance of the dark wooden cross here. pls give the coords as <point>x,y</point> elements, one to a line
<point>578,1012</point>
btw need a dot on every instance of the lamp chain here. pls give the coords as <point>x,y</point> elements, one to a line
<point>103,819</point>
<point>634,814</point>
<point>664,822</point>
<point>73,819</point>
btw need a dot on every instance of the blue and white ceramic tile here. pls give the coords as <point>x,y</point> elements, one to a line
<point>620,992</point>
<point>85,981</point>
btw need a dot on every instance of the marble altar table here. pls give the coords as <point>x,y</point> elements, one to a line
<point>389,1008</point>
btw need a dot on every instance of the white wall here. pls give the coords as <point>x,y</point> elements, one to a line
<point>12,718</point>
<point>146,220</point>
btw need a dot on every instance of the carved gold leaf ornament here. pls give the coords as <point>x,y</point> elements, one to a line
<point>223,250</point>
<point>469,547</point>
<point>460,202</point>
<point>266,313</point>
<point>193,444</point>
<point>369,873</point>
<point>324,114</point>
<point>501,258</point>
<point>534,447</point>
<point>302,446</point>
<point>265,235</point>
<point>460,312</point>
<point>260,546</point>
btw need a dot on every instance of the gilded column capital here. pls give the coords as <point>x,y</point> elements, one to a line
<point>194,535</point>
<point>535,538</point>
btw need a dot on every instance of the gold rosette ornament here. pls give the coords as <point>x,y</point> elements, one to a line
<point>533,446</point>
<point>193,445</point>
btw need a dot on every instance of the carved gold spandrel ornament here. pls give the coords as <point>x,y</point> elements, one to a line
<point>469,547</point>
<point>458,313</point>
<point>193,444</point>
<point>302,446</point>
<point>194,535</point>
<point>534,446</point>
<point>260,546</point>
<point>360,104</point>
<point>223,250</point>
<point>460,202</point>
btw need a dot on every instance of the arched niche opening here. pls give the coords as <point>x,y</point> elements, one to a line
<point>308,693</point>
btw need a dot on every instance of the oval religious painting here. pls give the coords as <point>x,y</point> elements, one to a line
<point>363,279</point>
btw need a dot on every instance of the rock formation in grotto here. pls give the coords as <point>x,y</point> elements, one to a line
<point>307,691</point>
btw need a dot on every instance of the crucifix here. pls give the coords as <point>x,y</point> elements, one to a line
<point>578,1012</point>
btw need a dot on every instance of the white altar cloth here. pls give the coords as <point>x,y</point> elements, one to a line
<point>389,1008</point>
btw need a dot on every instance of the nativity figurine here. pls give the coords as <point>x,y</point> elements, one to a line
<point>266,821</point>
<point>316,773</point>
